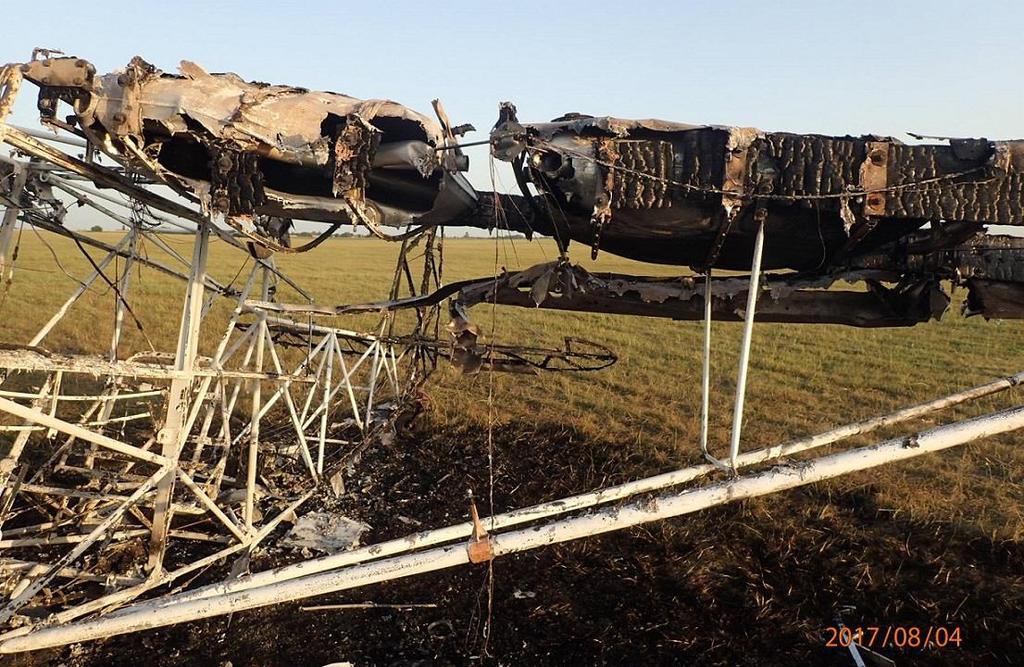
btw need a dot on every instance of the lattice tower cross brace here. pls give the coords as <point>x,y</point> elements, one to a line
<point>172,436</point>
<point>9,220</point>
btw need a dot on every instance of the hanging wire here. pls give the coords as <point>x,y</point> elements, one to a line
<point>56,260</point>
<point>117,293</point>
<point>519,213</point>
<point>542,145</point>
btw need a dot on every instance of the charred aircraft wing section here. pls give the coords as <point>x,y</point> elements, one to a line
<point>251,150</point>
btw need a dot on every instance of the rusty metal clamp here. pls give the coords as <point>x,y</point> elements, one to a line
<point>479,548</point>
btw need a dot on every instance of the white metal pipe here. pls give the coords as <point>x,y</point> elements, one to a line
<point>219,356</point>
<point>315,328</point>
<point>705,394</point>
<point>98,397</point>
<point>285,390</point>
<point>27,360</point>
<point>39,417</point>
<point>50,136</point>
<point>323,415</point>
<point>594,498</point>
<point>347,374</point>
<point>82,191</point>
<point>779,478</point>
<point>748,332</point>
<point>95,422</point>
<point>875,423</point>
<point>254,424</point>
<point>171,436</point>
<point>147,615</point>
<point>307,363</point>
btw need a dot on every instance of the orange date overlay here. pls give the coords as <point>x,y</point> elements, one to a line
<point>894,636</point>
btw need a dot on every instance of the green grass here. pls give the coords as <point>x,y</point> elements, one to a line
<point>803,378</point>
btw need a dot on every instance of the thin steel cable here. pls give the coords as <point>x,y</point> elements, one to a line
<point>545,145</point>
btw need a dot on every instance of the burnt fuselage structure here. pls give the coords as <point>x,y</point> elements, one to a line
<point>869,209</point>
<point>899,217</point>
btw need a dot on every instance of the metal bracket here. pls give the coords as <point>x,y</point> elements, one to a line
<point>480,548</point>
<point>60,72</point>
<point>734,177</point>
<point>874,177</point>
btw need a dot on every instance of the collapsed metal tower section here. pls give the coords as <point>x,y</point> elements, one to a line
<point>125,477</point>
<point>128,474</point>
<point>125,474</point>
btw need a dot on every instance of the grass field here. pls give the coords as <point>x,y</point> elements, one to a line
<point>642,413</point>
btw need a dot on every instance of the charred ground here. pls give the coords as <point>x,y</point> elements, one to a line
<point>751,583</point>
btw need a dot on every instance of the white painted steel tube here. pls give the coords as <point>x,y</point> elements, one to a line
<point>149,615</point>
<point>591,499</point>
<point>705,385</point>
<point>51,136</point>
<point>44,419</point>
<point>748,334</point>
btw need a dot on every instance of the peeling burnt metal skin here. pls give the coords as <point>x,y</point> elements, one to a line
<point>252,150</point>
<point>903,280</point>
<point>692,195</point>
<point>868,209</point>
<point>564,287</point>
<point>261,156</point>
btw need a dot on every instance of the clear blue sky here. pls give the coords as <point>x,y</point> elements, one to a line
<point>938,67</point>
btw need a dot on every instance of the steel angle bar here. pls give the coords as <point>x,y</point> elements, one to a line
<point>37,585</point>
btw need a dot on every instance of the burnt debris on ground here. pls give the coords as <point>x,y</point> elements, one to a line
<point>761,578</point>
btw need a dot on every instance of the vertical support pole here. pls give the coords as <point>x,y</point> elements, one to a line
<point>254,427</point>
<point>327,403</point>
<point>123,285</point>
<point>10,219</point>
<point>172,436</point>
<point>705,403</point>
<point>372,387</point>
<point>748,331</point>
<point>58,377</point>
